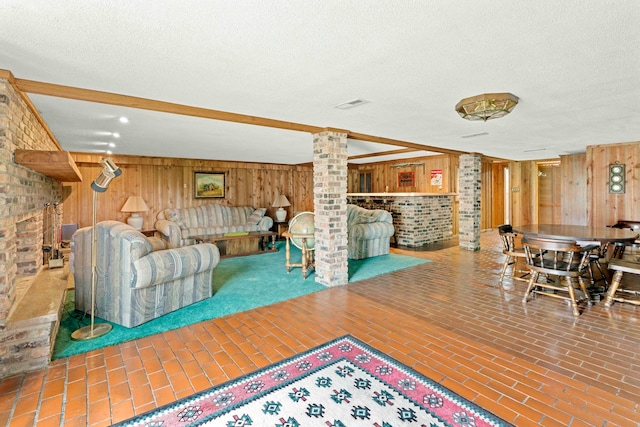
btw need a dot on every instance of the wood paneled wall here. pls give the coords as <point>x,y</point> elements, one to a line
<point>605,208</point>
<point>168,182</point>
<point>584,187</point>
<point>385,175</point>
<point>524,192</point>
<point>573,188</point>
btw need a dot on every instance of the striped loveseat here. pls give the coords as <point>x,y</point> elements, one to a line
<point>178,227</point>
<point>137,280</point>
<point>369,232</point>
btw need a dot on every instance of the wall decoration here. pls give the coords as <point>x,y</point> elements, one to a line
<point>616,178</point>
<point>406,179</point>
<point>436,176</point>
<point>208,185</point>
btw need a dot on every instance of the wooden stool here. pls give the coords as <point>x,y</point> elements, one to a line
<point>620,267</point>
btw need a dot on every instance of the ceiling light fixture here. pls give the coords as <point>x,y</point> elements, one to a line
<point>123,120</point>
<point>487,106</point>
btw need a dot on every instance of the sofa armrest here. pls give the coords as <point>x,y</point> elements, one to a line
<point>171,264</point>
<point>373,230</point>
<point>265,223</point>
<point>170,232</point>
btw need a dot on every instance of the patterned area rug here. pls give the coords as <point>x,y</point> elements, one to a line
<point>342,383</point>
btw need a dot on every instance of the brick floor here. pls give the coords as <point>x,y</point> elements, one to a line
<point>449,319</point>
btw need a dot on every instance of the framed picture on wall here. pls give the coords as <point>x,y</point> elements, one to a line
<point>208,185</point>
<point>406,179</point>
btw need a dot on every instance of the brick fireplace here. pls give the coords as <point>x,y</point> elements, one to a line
<point>24,196</point>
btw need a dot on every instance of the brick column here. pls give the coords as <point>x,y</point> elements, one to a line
<point>330,206</point>
<point>469,187</point>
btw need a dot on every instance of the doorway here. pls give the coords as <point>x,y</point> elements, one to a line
<point>549,193</point>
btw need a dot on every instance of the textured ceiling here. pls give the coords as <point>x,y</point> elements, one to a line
<point>573,64</point>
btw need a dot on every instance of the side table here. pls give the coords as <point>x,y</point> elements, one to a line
<point>281,227</point>
<point>149,233</point>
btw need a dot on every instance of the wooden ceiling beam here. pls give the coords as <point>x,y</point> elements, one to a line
<point>89,95</point>
<point>389,141</point>
<point>383,153</point>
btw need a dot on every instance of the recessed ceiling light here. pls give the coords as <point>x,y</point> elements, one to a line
<point>351,104</point>
<point>108,152</point>
<point>124,120</point>
<point>112,145</point>
<point>116,135</point>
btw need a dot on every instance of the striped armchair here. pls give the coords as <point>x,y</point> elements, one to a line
<point>137,280</point>
<point>369,232</point>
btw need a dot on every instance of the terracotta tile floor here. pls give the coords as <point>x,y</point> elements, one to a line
<point>449,319</point>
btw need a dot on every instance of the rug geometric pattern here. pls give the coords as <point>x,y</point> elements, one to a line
<point>341,383</point>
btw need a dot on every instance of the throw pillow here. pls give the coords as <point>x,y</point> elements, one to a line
<point>256,216</point>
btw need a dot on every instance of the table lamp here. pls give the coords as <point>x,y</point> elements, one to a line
<point>279,202</point>
<point>135,205</point>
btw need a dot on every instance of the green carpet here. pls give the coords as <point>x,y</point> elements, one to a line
<point>239,284</point>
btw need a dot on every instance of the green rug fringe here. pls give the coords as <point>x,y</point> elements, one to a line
<point>239,284</point>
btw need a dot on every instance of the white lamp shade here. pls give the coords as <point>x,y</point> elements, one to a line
<point>134,204</point>
<point>280,201</point>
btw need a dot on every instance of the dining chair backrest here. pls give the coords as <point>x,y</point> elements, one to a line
<point>627,225</point>
<point>564,257</point>
<point>508,238</point>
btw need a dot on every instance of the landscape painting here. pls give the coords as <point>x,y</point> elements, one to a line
<point>208,185</point>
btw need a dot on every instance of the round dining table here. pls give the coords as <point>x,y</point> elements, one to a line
<point>577,232</point>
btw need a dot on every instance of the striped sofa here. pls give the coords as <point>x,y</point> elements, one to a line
<point>369,232</point>
<point>178,227</point>
<point>137,280</point>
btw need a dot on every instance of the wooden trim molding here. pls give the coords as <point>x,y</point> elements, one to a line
<point>54,164</point>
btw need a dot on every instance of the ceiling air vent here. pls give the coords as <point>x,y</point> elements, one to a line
<point>351,104</point>
<point>474,135</point>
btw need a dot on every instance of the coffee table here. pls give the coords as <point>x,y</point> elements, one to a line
<point>256,242</point>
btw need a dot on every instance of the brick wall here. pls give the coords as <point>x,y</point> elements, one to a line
<point>24,194</point>
<point>470,186</point>
<point>418,220</point>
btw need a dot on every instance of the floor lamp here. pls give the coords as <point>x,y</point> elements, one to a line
<point>99,185</point>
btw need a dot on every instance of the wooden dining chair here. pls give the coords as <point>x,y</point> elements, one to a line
<point>616,292</point>
<point>513,253</point>
<point>620,247</point>
<point>565,260</point>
